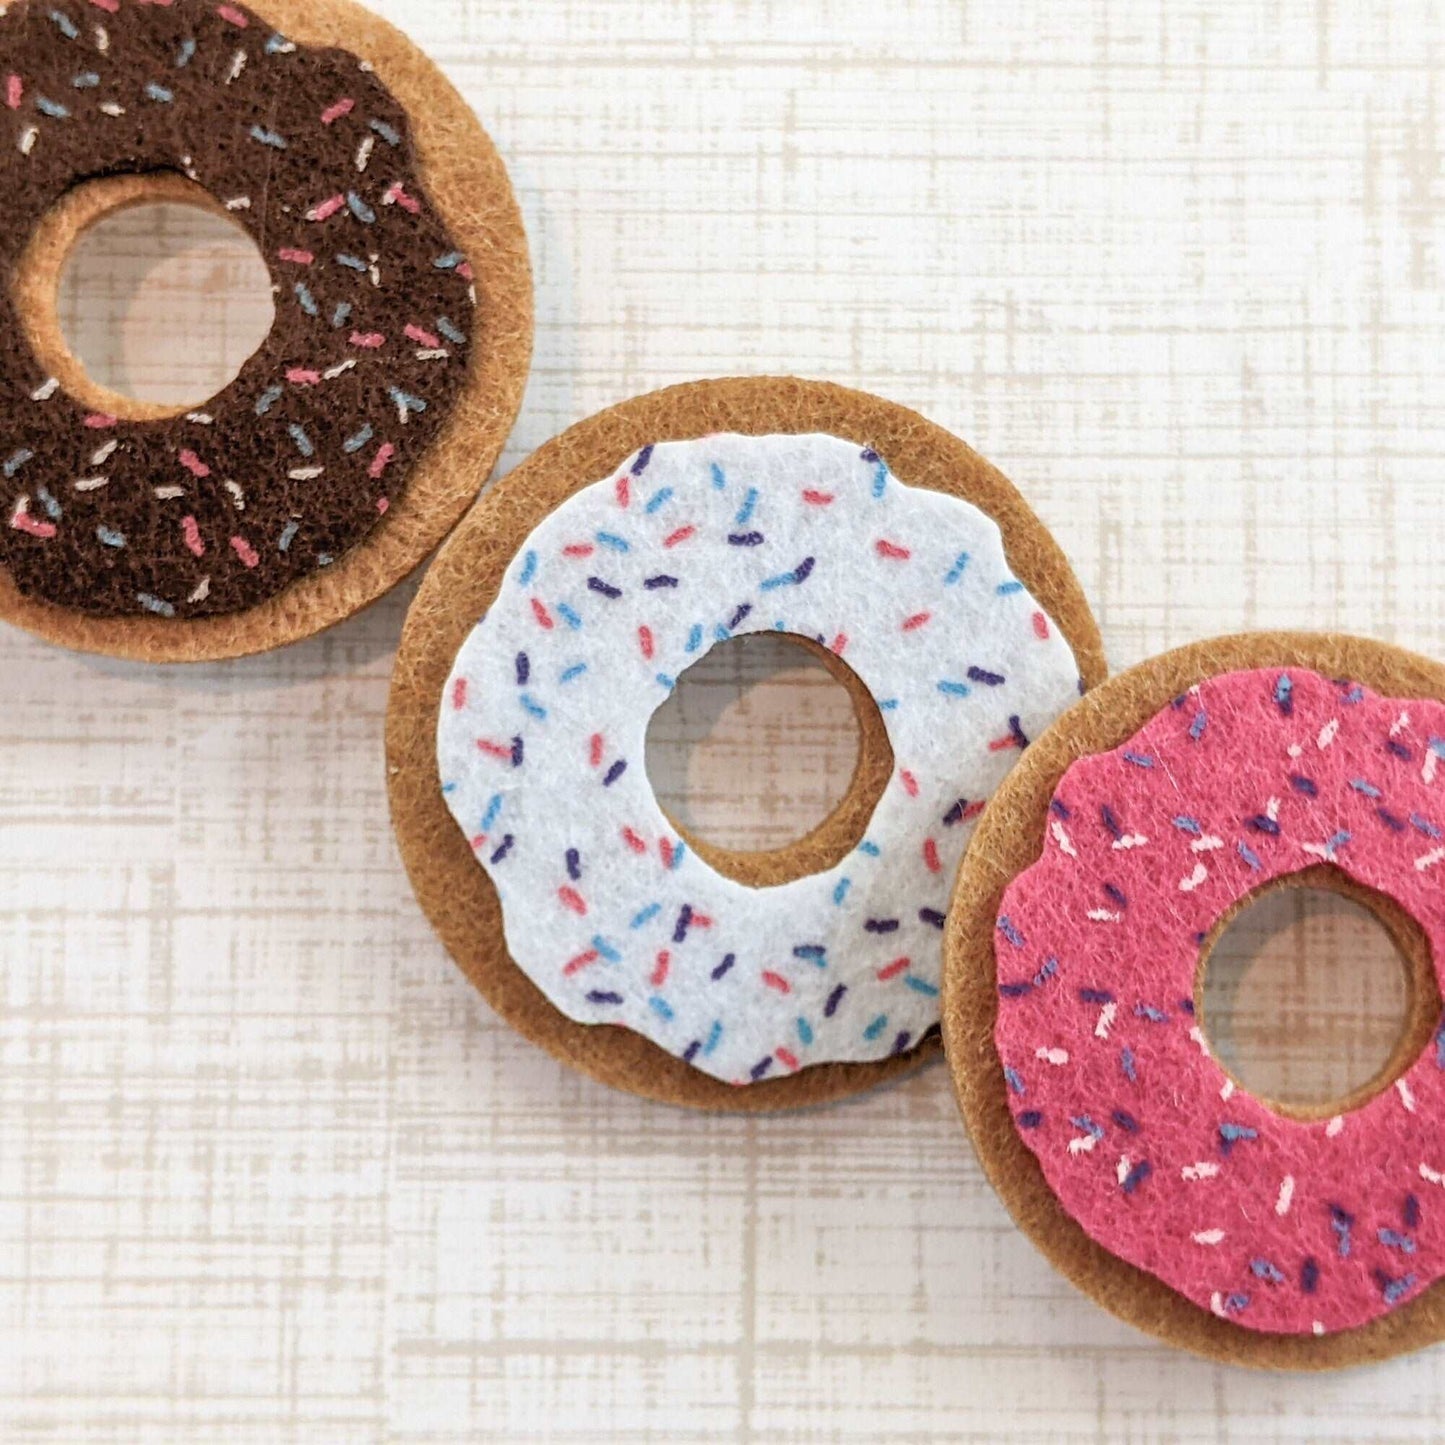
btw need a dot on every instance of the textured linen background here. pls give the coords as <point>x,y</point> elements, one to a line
<point>270,1172</point>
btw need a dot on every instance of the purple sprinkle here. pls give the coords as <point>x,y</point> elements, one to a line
<point>662,580</point>
<point>640,465</point>
<point>504,849</point>
<point>524,669</point>
<point>760,1068</point>
<point>614,772</point>
<point>745,539</point>
<point>574,865</point>
<point>598,996</point>
<point>1029,1119</point>
<point>932,917</point>
<point>881,925</point>
<point>724,967</point>
<point>596,584</point>
<point>834,999</point>
<point>987,679</point>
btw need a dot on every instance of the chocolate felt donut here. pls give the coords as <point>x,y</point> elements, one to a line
<point>371,413</point>
<point>1139,827</point>
<point>594,576</point>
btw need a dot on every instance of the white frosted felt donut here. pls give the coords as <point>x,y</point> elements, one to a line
<point>542,730</point>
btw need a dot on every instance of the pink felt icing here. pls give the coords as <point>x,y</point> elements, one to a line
<point>1277,1224</point>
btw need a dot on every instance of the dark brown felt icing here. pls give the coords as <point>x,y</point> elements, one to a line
<point>1010,839</point>
<point>439,465</point>
<point>457,895</point>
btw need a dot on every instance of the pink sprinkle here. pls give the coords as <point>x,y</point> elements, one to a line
<point>645,641</point>
<point>193,464</point>
<point>459,693</point>
<point>14,92</point>
<point>630,837</point>
<point>892,970</point>
<point>665,851</point>
<point>664,966</point>
<point>22,521</point>
<point>594,747</point>
<point>839,644</point>
<point>324,210</point>
<point>109,6</point>
<point>788,1059</point>
<point>582,960</point>
<point>910,783</point>
<point>893,551</point>
<point>465,271</point>
<point>544,618</point>
<point>368,339</point>
<point>192,531</point>
<point>931,860</point>
<point>383,505</point>
<point>422,338</point>
<point>301,258</point>
<point>578,549</point>
<point>624,492</point>
<point>679,536</point>
<point>919,619</point>
<point>98,421</point>
<point>234,16</point>
<point>1041,627</point>
<point>397,195</point>
<point>245,551</point>
<point>776,981</point>
<point>572,900</point>
<point>817,499</point>
<point>384,455</point>
<point>333,113</point>
<point>299,376</point>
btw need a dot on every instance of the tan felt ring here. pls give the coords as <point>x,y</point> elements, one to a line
<point>465,177</point>
<point>456,894</point>
<point>1010,839</point>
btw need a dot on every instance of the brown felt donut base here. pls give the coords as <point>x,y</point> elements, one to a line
<point>1010,839</point>
<point>457,895</point>
<point>467,181</point>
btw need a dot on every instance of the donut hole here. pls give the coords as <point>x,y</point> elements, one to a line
<point>1317,993</point>
<point>769,758</point>
<point>143,296</point>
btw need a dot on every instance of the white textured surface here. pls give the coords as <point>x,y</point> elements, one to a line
<point>269,1172</point>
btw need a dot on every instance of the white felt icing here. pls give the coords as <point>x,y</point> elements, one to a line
<point>628,583</point>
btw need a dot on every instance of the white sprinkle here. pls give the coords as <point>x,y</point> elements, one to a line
<point>1400,724</point>
<point>1083,1144</point>
<point>1122,1168</point>
<point>340,369</point>
<point>1286,1196</point>
<point>1402,1087</point>
<point>1329,733</point>
<point>112,108</point>
<point>1209,1236</point>
<point>237,495</point>
<point>45,390</point>
<point>1197,1034</point>
<point>1335,1127</point>
<point>1431,1176</point>
<point>1432,763</point>
<point>1318,1327</point>
<point>305,474</point>
<point>91,484</point>
<point>203,590</point>
<point>1102,915</point>
<point>1057,1057</point>
<point>1226,1091</point>
<point>1216,1305</point>
<point>1061,837</point>
<point>201,418</point>
<point>439,354</point>
<point>238,64</point>
<point>1191,1173</point>
<point>102,39</point>
<point>103,454</point>
<point>375,273</point>
<point>239,203</point>
<point>1208,844</point>
<point>1128,841</point>
<point>1107,1015</point>
<point>1189,884</point>
<point>169,494</point>
<point>1271,810</point>
<point>363,152</point>
<point>1429,860</point>
<point>28,137</point>
<point>1295,751</point>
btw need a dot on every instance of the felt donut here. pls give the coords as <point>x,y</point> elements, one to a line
<point>609,564</point>
<point>368,417</point>
<point>1140,825</point>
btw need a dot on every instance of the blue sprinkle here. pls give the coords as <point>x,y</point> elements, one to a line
<point>805,1032</point>
<point>1015,1081</point>
<point>1393,1239</point>
<point>451,331</point>
<point>1126,1063</point>
<point>813,953</point>
<point>303,442</point>
<point>278,43</point>
<point>360,209</point>
<point>1189,825</point>
<point>844,884</point>
<point>268,138</point>
<point>1284,694</point>
<point>1198,726</point>
<point>749,506</point>
<point>154,604</point>
<point>531,705</point>
<point>86,80</point>
<point>1153,1015</point>
<point>1237,1303</point>
<point>888,704</point>
<point>494,807</point>
<point>64,24</point>
<point>1095,995</point>
<point>694,638</point>
<point>449,262</point>
<point>1139,760</point>
<point>1088,1125</point>
<point>613,542</point>
<point>160,94</point>
<point>880,480</point>
<point>1136,1176</point>
<point>185,54</point>
<point>307,300</point>
<point>1368,789</point>
<point>288,535</point>
<point>666,681</point>
<point>1232,1134</point>
<point>1007,589</point>
<point>954,689</point>
<point>52,108</point>
<point>871,849</point>
<point>572,673</point>
<point>1395,1289</point>
<point>1424,825</point>
<point>53,508</point>
<point>341,315</point>
<point>1249,856</point>
<point>1341,1223</point>
<point>352,263</point>
<point>876,1027</point>
<point>606,949</point>
<point>1263,1269</point>
<point>18,460</point>
<point>268,399</point>
<point>109,537</point>
<point>529,569</point>
<point>955,573</point>
<point>918,985</point>
<point>719,478</point>
<point>646,915</point>
<point>388,133</point>
<point>714,1035</point>
<point>355,443</point>
<point>660,1007</point>
<point>405,401</point>
<point>569,616</point>
<point>658,500</point>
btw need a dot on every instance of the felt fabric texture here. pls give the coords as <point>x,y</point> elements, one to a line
<point>465,580</point>
<point>297,460</point>
<point>452,173</point>
<point>1015,834</point>
<point>1283,1224</point>
<point>629,582</point>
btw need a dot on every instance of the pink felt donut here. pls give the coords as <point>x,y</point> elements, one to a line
<point>1276,1223</point>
